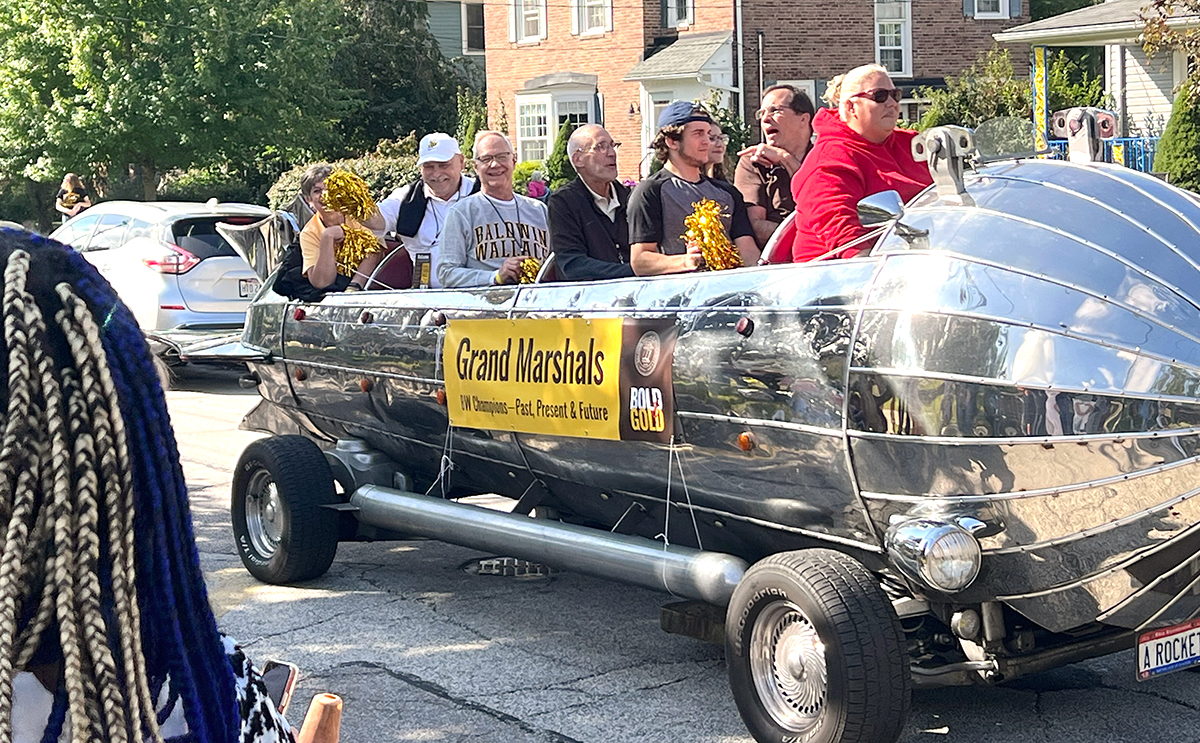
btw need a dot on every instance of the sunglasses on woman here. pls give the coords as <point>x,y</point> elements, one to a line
<point>879,95</point>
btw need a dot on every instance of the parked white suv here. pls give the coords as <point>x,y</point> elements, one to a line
<point>169,264</point>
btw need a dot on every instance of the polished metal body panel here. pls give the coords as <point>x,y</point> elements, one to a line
<point>1031,361</point>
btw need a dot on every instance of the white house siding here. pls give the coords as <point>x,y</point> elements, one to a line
<point>1149,88</point>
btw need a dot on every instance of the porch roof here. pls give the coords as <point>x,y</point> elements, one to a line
<point>686,57</point>
<point>1113,22</point>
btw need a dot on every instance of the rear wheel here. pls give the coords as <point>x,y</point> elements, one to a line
<point>815,652</point>
<point>281,523</point>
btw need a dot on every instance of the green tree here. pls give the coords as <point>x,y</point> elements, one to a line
<point>990,89</point>
<point>472,118</point>
<point>392,62</point>
<point>1178,152</point>
<point>559,170</point>
<point>160,84</point>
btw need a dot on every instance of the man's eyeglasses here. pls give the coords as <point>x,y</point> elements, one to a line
<point>879,95</point>
<point>722,138</point>
<point>763,113</point>
<point>499,157</point>
<point>605,147</point>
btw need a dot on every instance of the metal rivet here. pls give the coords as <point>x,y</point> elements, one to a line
<point>299,314</point>
<point>719,524</point>
<point>604,496</point>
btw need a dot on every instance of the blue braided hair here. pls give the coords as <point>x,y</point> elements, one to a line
<point>117,534</point>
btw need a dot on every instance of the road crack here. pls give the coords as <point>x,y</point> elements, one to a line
<point>438,691</point>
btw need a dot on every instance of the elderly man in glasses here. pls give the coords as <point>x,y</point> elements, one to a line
<point>588,224</point>
<point>488,234</point>
<point>859,152</point>
<point>764,171</point>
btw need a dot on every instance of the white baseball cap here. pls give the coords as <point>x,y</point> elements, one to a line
<point>437,147</point>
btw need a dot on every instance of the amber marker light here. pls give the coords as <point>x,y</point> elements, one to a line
<point>299,314</point>
<point>441,397</point>
<point>746,441</point>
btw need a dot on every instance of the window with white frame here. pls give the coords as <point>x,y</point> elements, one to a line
<point>531,20</point>
<point>991,8</point>
<point>533,130</point>
<point>591,17</point>
<point>472,24</point>
<point>893,36</point>
<point>678,13</point>
<point>577,113</point>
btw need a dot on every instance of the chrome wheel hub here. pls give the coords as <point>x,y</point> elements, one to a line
<point>787,663</point>
<point>264,517</point>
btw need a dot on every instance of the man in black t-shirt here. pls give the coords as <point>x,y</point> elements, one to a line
<point>660,203</point>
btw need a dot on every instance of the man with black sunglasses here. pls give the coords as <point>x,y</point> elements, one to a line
<point>764,170</point>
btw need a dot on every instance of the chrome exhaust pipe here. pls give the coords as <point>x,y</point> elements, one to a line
<point>681,571</point>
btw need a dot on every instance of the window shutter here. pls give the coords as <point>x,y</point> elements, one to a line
<point>575,6</point>
<point>691,12</point>
<point>1014,8</point>
<point>608,11</point>
<point>665,19</point>
<point>969,8</point>
<point>512,20</point>
<point>543,22</point>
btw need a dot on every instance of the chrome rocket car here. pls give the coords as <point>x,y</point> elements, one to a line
<point>972,454</point>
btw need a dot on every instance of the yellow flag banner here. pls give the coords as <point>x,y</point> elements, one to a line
<point>601,378</point>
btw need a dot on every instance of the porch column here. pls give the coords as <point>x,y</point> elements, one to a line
<point>1041,117</point>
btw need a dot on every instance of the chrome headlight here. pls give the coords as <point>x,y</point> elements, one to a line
<point>941,555</point>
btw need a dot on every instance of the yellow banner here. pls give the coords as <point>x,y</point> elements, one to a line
<point>601,378</point>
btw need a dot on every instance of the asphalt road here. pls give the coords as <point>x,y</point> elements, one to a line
<point>421,649</point>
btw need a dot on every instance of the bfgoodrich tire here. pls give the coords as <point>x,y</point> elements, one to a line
<point>284,532</point>
<point>815,652</point>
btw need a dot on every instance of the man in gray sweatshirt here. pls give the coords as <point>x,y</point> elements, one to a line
<point>488,234</point>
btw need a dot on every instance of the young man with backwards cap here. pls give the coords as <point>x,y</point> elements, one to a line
<point>417,211</point>
<point>660,203</point>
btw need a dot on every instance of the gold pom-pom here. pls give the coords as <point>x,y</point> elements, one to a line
<point>357,245</point>
<point>347,193</point>
<point>529,270</point>
<point>705,228</point>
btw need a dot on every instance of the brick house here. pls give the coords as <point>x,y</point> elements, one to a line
<point>618,62</point>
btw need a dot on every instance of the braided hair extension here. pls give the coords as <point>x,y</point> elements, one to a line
<point>99,572</point>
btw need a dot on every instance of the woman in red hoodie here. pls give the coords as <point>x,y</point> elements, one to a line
<point>859,152</point>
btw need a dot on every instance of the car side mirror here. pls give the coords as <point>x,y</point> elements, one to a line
<point>880,208</point>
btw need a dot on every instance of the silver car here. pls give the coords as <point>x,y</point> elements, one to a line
<point>183,282</point>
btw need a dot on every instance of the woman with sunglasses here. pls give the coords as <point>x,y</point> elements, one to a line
<point>859,152</point>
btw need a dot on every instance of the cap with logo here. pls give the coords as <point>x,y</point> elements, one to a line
<point>437,148</point>
<point>682,112</point>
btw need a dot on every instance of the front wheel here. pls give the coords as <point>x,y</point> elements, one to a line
<point>284,530</point>
<point>815,652</point>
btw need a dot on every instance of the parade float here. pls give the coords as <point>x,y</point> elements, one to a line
<point>969,455</point>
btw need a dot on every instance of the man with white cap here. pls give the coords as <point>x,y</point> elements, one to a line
<point>416,212</point>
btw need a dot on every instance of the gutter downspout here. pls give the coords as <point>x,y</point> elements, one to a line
<point>740,79</point>
<point>761,86</point>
